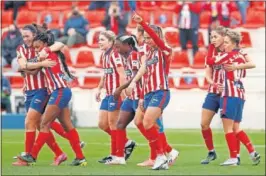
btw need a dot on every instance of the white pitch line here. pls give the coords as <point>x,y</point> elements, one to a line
<point>138,144</point>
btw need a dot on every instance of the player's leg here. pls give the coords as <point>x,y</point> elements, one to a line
<point>154,107</point>
<point>228,115</point>
<point>209,108</point>
<point>73,136</point>
<point>243,137</point>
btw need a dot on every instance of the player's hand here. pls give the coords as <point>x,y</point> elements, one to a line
<point>137,18</point>
<point>48,63</point>
<point>98,95</point>
<point>130,88</point>
<point>141,105</point>
<point>220,87</point>
<point>42,55</point>
<point>117,93</point>
<point>230,67</point>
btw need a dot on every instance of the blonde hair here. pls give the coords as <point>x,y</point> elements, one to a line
<point>234,36</point>
<point>110,35</point>
<point>221,30</point>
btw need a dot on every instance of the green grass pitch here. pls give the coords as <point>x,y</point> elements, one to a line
<point>188,142</point>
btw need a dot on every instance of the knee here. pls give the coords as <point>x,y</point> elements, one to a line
<point>204,126</point>
<point>120,125</point>
<point>147,123</point>
<point>30,125</point>
<point>102,126</point>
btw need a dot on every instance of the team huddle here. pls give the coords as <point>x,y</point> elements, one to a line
<point>135,79</point>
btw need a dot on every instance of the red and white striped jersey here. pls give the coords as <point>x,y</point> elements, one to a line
<point>131,64</point>
<point>157,63</point>
<point>111,61</point>
<point>233,80</point>
<point>216,70</point>
<point>54,75</point>
<point>32,82</point>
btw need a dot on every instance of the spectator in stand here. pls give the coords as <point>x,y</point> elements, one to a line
<point>5,95</point>
<point>96,5</point>
<point>116,19</point>
<point>75,29</point>
<point>188,23</point>
<point>124,5</point>
<point>15,5</point>
<point>9,46</point>
<point>220,13</point>
<point>242,7</point>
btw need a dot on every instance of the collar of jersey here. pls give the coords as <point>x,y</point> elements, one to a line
<point>108,51</point>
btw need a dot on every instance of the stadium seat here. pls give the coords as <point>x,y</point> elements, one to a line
<point>95,39</point>
<point>258,5</point>
<point>145,15</point>
<point>205,85</point>
<point>4,34</point>
<point>16,82</point>
<point>27,17</point>
<point>200,41</point>
<point>168,5</point>
<point>172,38</point>
<point>91,82</point>
<point>255,19</point>
<point>199,60</point>
<point>55,19</point>
<point>37,5</point>
<point>6,18</point>
<point>84,59</point>
<point>205,19</point>
<point>246,41</point>
<point>163,18</point>
<point>148,5</point>
<point>188,82</point>
<point>60,5</point>
<point>95,18</point>
<point>100,65</point>
<point>180,60</point>
<point>236,16</point>
<point>171,83</point>
<point>83,5</point>
<point>66,52</point>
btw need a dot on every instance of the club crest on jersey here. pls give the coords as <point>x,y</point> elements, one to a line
<point>135,63</point>
<point>217,67</point>
<point>108,70</point>
<point>152,61</point>
<point>128,72</point>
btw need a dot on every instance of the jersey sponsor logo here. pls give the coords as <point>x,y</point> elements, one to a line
<point>118,61</point>
<point>128,72</point>
<point>108,71</point>
<point>135,63</point>
<point>217,67</point>
<point>238,84</point>
<point>152,61</point>
<point>33,60</point>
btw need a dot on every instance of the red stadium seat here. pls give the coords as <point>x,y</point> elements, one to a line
<point>95,40</point>
<point>246,41</point>
<point>149,5</point>
<point>205,19</point>
<point>168,5</point>
<point>66,52</point>
<point>27,17</point>
<point>258,5</point>
<point>144,14</point>
<point>6,18</point>
<point>205,85</point>
<point>200,41</point>
<point>172,38</point>
<point>55,19</point>
<point>60,5</point>
<point>84,59</point>
<point>91,82</point>
<point>180,60</point>
<point>163,18</point>
<point>95,18</point>
<point>171,83</point>
<point>37,5</point>
<point>83,5</point>
<point>4,34</point>
<point>16,82</point>
<point>236,16</point>
<point>255,19</point>
<point>100,65</point>
<point>188,82</point>
<point>199,60</point>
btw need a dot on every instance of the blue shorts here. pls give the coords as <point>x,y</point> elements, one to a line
<point>60,97</point>
<point>36,99</point>
<point>159,98</point>
<point>212,102</point>
<point>129,105</point>
<point>232,108</point>
<point>110,104</point>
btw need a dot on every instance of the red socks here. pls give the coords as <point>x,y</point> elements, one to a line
<point>142,130</point>
<point>29,140</point>
<point>53,145</point>
<point>167,148</point>
<point>207,136</point>
<point>74,142</point>
<point>153,136</point>
<point>108,131</point>
<point>113,142</point>
<point>231,142</point>
<point>41,139</point>
<point>57,127</point>
<point>237,145</point>
<point>120,142</point>
<point>242,136</point>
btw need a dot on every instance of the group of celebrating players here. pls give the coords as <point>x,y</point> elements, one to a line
<point>135,79</point>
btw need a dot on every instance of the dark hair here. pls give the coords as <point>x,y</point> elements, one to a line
<point>158,30</point>
<point>44,37</point>
<point>31,28</point>
<point>131,40</point>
